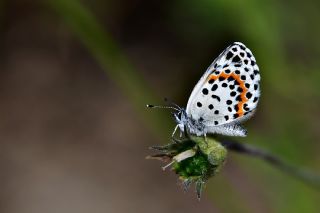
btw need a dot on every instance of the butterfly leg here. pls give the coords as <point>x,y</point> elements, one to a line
<point>205,138</point>
<point>174,131</point>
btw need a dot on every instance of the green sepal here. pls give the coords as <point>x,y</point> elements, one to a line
<point>207,158</point>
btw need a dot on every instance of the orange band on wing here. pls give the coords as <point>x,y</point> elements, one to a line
<point>244,99</point>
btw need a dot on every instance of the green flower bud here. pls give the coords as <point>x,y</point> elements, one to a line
<point>194,159</point>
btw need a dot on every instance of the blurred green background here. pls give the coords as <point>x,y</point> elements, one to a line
<point>75,78</point>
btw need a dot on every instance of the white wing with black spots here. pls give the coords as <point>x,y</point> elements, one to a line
<point>227,93</point>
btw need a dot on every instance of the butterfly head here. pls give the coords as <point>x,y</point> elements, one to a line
<point>181,117</point>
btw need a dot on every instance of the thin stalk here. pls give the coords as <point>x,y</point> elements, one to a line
<point>306,176</point>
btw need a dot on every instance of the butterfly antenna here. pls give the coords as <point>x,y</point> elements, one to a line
<point>172,103</point>
<point>163,107</point>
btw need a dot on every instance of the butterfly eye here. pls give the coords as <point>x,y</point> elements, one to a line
<point>179,115</point>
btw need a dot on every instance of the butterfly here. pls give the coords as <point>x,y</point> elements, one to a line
<point>226,95</point>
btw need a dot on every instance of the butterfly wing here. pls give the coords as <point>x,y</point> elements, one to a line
<point>229,90</point>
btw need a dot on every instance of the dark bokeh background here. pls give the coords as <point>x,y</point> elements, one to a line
<point>74,135</point>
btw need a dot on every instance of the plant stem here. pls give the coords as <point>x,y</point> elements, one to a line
<point>306,176</point>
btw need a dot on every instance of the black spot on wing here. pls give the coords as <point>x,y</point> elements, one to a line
<point>249,95</point>
<point>252,76</point>
<point>211,81</point>
<point>242,47</point>
<point>245,107</point>
<point>229,55</point>
<point>236,83</point>
<point>233,93</point>
<point>238,98</point>
<point>221,78</point>
<point>230,78</point>
<point>216,97</point>
<point>236,59</point>
<point>205,91</point>
<point>214,87</point>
